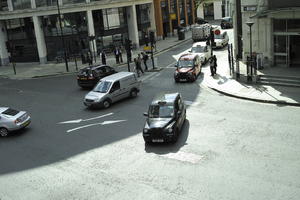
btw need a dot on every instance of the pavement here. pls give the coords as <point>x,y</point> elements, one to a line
<point>223,82</point>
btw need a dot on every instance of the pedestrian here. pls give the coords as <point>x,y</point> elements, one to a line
<point>120,54</point>
<point>145,58</point>
<point>215,64</point>
<point>103,57</point>
<point>89,58</point>
<point>116,52</point>
<point>139,60</point>
<point>211,65</point>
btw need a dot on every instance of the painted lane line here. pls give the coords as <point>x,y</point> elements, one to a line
<point>184,157</point>
<point>95,124</point>
<point>83,120</point>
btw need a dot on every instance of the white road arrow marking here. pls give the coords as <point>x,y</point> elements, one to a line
<point>89,125</point>
<point>83,120</point>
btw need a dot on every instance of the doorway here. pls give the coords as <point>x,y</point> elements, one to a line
<point>294,51</point>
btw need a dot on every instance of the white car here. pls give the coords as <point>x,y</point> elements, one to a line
<point>203,50</point>
<point>12,120</point>
<point>221,39</point>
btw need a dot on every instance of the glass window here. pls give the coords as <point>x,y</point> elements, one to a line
<point>73,1</point>
<point>42,3</point>
<point>102,87</point>
<point>116,86</point>
<point>293,25</point>
<point>21,4</point>
<point>161,111</point>
<point>279,25</point>
<point>185,63</point>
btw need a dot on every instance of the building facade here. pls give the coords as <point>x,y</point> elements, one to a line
<point>211,9</point>
<point>169,14</point>
<point>30,29</point>
<point>275,32</point>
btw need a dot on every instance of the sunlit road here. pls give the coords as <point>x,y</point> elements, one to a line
<point>228,149</point>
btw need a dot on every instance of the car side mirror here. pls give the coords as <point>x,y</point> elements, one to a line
<point>176,65</point>
<point>190,51</point>
<point>179,113</point>
<point>145,114</point>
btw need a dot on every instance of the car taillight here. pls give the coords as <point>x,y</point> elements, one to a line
<point>17,121</point>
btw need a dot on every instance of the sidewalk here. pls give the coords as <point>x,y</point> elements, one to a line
<point>35,70</point>
<point>222,82</point>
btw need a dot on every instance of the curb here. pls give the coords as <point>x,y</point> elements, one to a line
<point>253,99</point>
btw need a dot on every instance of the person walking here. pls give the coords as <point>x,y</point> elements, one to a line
<point>145,58</point>
<point>120,54</point>
<point>117,54</point>
<point>103,57</point>
<point>139,60</point>
<point>89,58</point>
<point>215,64</point>
<point>211,65</point>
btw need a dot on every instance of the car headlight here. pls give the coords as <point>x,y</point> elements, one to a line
<point>169,128</point>
<point>145,130</point>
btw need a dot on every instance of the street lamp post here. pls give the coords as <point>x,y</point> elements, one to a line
<point>62,36</point>
<point>251,61</point>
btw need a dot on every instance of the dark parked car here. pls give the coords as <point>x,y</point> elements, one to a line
<point>166,116</point>
<point>200,20</point>
<point>226,22</point>
<point>89,76</point>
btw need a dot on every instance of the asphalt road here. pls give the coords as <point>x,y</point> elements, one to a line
<point>228,148</point>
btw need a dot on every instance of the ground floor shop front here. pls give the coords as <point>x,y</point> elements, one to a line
<point>43,39</point>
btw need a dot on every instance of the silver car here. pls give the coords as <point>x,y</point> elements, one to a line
<point>12,120</point>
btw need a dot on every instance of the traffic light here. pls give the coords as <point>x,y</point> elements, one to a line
<point>128,45</point>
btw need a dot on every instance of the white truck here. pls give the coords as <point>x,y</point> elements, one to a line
<point>200,32</point>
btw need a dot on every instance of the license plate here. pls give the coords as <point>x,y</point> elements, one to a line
<point>83,78</point>
<point>182,79</point>
<point>157,140</point>
<point>26,123</point>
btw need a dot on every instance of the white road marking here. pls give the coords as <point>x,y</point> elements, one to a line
<point>184,157</point>
<point>89,125</point>
<point>83,120</point>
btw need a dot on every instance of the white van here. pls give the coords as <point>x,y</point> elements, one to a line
<point>113,88</point>
<point>200,32</point>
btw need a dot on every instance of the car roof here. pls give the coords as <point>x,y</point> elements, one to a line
<point>199,44</point>
<point>189,56</point>
<point>2,109</point>
<point>164,97</point>
<point>117,76</point>
<point>95,67</point>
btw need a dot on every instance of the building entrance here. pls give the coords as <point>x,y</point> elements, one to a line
<point>287,49</point>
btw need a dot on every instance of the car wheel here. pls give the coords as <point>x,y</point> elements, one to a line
<point>106,103</point>
<point>176,80</point>
<point>3,132</point>
<point>133,93</point>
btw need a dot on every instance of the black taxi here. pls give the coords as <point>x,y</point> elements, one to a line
<point>165,118</point>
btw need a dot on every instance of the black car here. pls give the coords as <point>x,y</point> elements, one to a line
<point>89,76</point>
<point>200,20</point>
<point>226,22</point>
<point>166,116</point>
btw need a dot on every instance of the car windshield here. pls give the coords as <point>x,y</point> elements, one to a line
<point>161,111</point>
<point>198,49</point>
<point>85,72</point>
<point>10,112</point>
<point>220,36</point>
<point>102,87</point>
<point>185,63</point>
